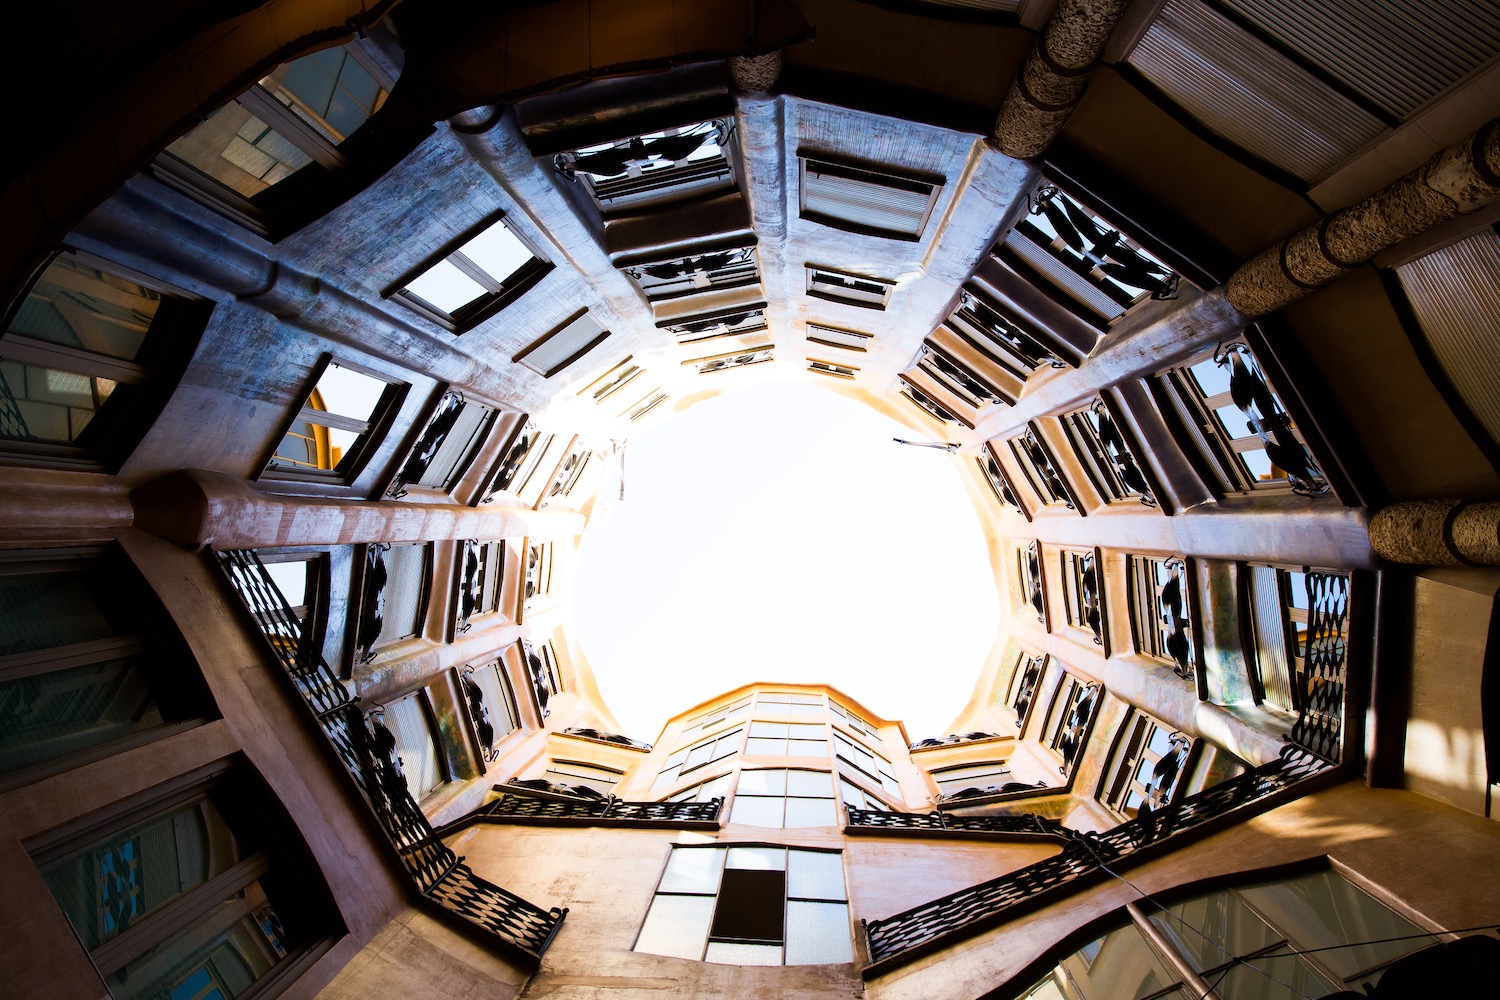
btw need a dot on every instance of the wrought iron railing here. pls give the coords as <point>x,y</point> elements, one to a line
<point>1320,720</point>
<point>607,811</point>
<point>367,751</point>
<point>932,925</point>
<point>873,820</point>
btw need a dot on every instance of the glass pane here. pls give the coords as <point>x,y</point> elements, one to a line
<point>498,252</point>
<point>732,953</point>
<point>1118,965</point>
<point>446,287</point>
<point>693,869</point>
<point>415,745</point>
<point>1322,909</point>
<point>769,859</point>
<point>677,925</point>
<point>817,933</point>
<point>107,887</point>
<point>770,781</point>
<point>1258,462</point>
<point>222,955</point>
<point>1273,977</point>
<point>757,811</point>
<point>810,812</point>
<point>806,731</point>
<point>329,90</point>
<point>79,306</point>
<point>48,404</point>
<point>1212,379</point>
<point>240,151</point>
<point>773,730</point>
<point>769,748</point>
<point>807,748</point>
<point>815,875</point>
<point>497,702</point>
<point>813,784</point>
<point>1213,928</point>
<point>48,715</point>
<point>38,610</point>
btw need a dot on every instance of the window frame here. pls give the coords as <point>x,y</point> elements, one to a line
<point>588,344</point>
<point>829,291</point>
<point>372,430</point>
<point>1133,750</point>
<point>931,186</point>
<point>1076,565</point>
<point>1087,431</point>
<point>364,563</point>
<point>785,796</point>
<point>1145,606</point>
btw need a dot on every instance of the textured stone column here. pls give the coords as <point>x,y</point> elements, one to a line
<point>1438,533</point>
<point>1051,81</point>
<point>755,74</point>
<point>1463,178</point>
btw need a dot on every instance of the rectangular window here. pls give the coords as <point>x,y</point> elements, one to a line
<point>655,169</point>
<point>619,375</point>
<point>788,739</point>
<point>784,799</point>
<point>857,798</point>
<point>1083,592</point>
<point>851,289</point>
<point>521,456</point>
<point>926,403</point>
<point>541,666</point>
<point>562,346</point>
<point>832,336</point>
<point>999,482</point>
<point>393,595</point>
<point>701,753</point>
<point>1161,611</point>
<point>731,267</point>
<point>412,722</point>
<point>713,788</point>
<point>853,721</point>
<point>569,472</point>
<point>1108,461</point>
<point>972,780</point>
<point>750,905</point>
<point>866,201</point>
<point>1281,603</point>
<point>875,767</point>
<point>724,362</point>
<point>468,282</point>
<point>645,405</point>
<point>772,703</point>
<point>492,704</point>
<point>1041,473</point>
<point>730,327</point>
<point>579,774</point>
<point>338,425</point>
<point>538,569</point>
<point>1014,346</point>
<point>957,379</point>
<point>480,580</point>
<point>831,369</point>
<point>1029,575</point>
<point>1148,766</point>
<point>1070,718</point>
<point>1024,681</point>
<point>449,443</point>
<point>715,717</point>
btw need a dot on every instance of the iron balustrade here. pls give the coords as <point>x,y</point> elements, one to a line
<point>605,811</point>
<point>911,933</point>
<point>366,748</point>
<point>877,821</point>
<point>1323,677</point>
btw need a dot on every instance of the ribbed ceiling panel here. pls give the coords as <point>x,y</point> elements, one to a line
<point>1455,293</point>
<point>1398,54</point>
<point>1249,93</point>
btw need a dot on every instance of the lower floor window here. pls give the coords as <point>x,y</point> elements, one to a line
<point>750,905</point>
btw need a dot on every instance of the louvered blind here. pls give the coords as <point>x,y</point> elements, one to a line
<point>463,439</point>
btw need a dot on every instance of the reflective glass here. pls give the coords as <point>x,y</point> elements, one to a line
<point>807,748</point>
<point>677,925</point>
<point>817,933</point>
<point>735,953</point>
<point>810,783</point>
<point>757,811</point>
<point>498,252</point>
<point>443,285</point>
<point>771,859</point>
<point>693,870</point>
<point>768,781</point>
<point>221,955</point>
<point>815,875</point>
<point>79,306</point>
<point>810,812</point>
<point>63,711</point>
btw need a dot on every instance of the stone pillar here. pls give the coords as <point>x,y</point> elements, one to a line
<point>1463,178</point>
<point>1051,81</point>
<point>755,74</point>
<point>1438,533</point>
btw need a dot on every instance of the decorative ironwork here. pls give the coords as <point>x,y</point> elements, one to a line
<point>543,678</point>
<point>367,749</point>
<point>696,272</point>
<point>605,810</point>
<point>1031,570</point>
<point>985,791</point>
<point>1320,720</point>
<point>371,601</point>
<point>1262,410</point>
<point>642,156</point>
<point>568,473</point>
<point>1171,602</point>
<point>1026,348</point>
<point>595,734</point>
<point>479,713</point>
<point>864,820</point>
<point>1166,771</point>
<point>1090,599</point>
<point>927,403</point>
<point>1041,461</point>
<point>998,481</point>
<point>940,922</point>
<point>1075,727</point>
<point>1031,675</point>
<point>420,459</point>
<point>1118,453</point>
<point>951,739</point>
<point>515,457</point>
<point>471,586</point>
<point>747,321</point>
<point>1103,255</point>
<point>956,376</point>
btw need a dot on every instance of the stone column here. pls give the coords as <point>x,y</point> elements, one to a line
<point>1051,81</point>
<point>1463,178</point>
<point>1438,533</point>
<point>755,74</point>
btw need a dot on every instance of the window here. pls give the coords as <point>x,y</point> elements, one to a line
<point>1283,630</point>
<point>1038,468</point>
<point>1304,936</point>
<point>1161,611</point>
<point>411,721</point>
<point>832,336</point>
<point>853,721</point>
<point>83,340</point>
<point>1024,680</point>
<point>956,378</point>
<point>831,369</point>
<point>999,482</point>
<point>785,799</point>
<point>492,705</point>
<point>449,443</point>
<point>541,665</point>
<point>724,362</point>
<point>468,282</point>
<point>1071,716</point>
<point>653,169</point>
<point>188,896</point>
<point>925,402</point>
<point>1016,349</point>
<point>732,267</point>
<point>713,788</point>
<point>1083,593</point>
<point>1106,459</point>
<point>569,471</point>
<point>716,716</point>
<point>750,905</point>
<point>971,780</point>
<point>577,773</point>
<point>731,326</point>
<point>561,347</point>
<point>621,374</point>
<point>1236,422</point>
<point>1099,271</point>
<point>866,201</point>
<point>481,579</point>
<point>341,419</point>
<point>874,767</point>
<point>852,289</point>
<point>520,460</point>
<point>857,798</point>
<point>298,115</point>
<point>699,754</point>
<point>645,405</point>
<point>788,703</point>
<point>392,597</point>
<point>788,739</point>
<point>1148,766</point>
<point>1029,573</point>
<point>538,569</point>
<point>80,673</point>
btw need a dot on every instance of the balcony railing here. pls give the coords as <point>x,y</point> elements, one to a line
<point>876,821</point>
<point>922,929</point>
<point>605,811</point>
<point>367,751</point>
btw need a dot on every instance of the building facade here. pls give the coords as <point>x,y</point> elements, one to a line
<point>325,325</point>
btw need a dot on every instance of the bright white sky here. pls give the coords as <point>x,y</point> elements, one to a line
<point>777,533</point>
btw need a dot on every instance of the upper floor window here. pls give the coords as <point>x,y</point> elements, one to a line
<point>541,666</point>
<point>448,444</point>
<point>1039,469</point>
<point>562,346</point>
<point>667,279</point>
<point>538,569</point>
<point>750,905</point>
<point>1083,592</point>
<point>926,403</point>
<point>1029,574</point>
<point>831,369</point>
<point>1108,461</point>
<point>492,705</point>
<point>789,703</point>
<point>725,362</point>
<point>1236,421</point>
<point>519,459</point>
<point>999,482</point>
<point>1074,705</point>
<point>730,327</point>
<point>705,752</point>
<point>1014,348</point>
<point>832,336</point>
<point>958,379</point>
<point>1161,611</point>
<point>784,798</point>
<point>473,278</point>
<point>716,716</point>
<point>392,595</point>
<point>867,201</point>
<point>581,774</point>
<point>418,748</point>
<point>984,778</point>
<point>851,289</point>
<point>874,766</point>
<point>703,791</point>
<point>857,798</point>
<point>854,721</point>
<point>653,169</point>
<point>82,341</point>
<point>1023,685</point>
<point>1298,618</point>
<point>297,115</point>
<point>481,579</point>
<point>340,421</point>
<point>1098,271</point>
<point>1148,766</point>
<point>788,739</point>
